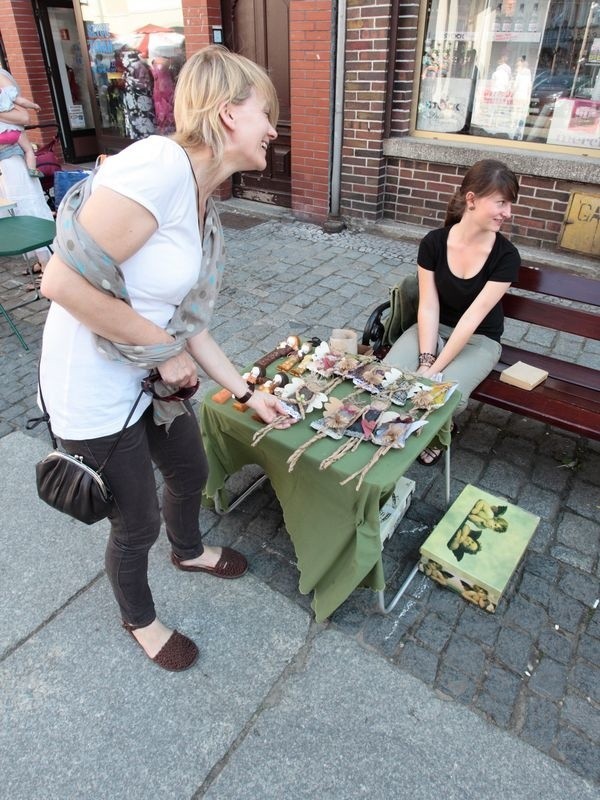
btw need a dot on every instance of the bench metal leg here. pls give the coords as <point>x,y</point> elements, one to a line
<point>381,593</point>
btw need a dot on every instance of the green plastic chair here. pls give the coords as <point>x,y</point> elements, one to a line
<point>19,236</point>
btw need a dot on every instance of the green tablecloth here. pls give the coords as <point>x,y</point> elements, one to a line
<point>334,529</point>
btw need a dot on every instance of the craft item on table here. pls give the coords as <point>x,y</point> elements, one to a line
<point>370,376</point>
<point>343,340</point>
<point>255,376</point>
<point>222,396</point>
<point>361,430</point>
<point>429,398</point>
<point>298,398</point>
<point>397,385</point>
<point>337,416</point>
<point>291,344</point>
<point>295,357</point>
<point>279,380</point>
<point>391,432</point>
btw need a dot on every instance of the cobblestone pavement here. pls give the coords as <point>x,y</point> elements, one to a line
<point>532,668</point>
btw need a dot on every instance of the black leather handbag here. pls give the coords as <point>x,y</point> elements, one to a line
<point>68,484</point>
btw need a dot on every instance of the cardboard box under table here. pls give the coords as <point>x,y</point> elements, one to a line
<point>335,529</point>
<point>477,546</point>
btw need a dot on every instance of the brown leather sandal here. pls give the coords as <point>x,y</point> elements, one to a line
<point>177,654</point>
<point>231,565</point>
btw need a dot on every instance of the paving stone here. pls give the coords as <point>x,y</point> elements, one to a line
<point>536,588</point>
<point>526,615</point>
<point>556,644</point>
<point>581,714</point>
<point>433,632</point>
<point>540,725</point>
<point>565,612</point>
<point>418,660</point>
<point>573,557</point>
<point>589,648</point>
<point>546,472</point>
<point>516,451</point>
<point>579,753</point>
<point>514,649</point>
<point>543,566</point>
<point>549,678</point>
<point>502,685</point>
<point>585,679</point>
<point>479,625</point>
<point>447,604</point>
<point>465,655</point>
<point>545,504</point>
<point>512,479</point>
<point>456,684</point>
<point>558,445</point>
<point>495,709</point>
<point>384,633</point>
<point>580,586</point>
<point>480,438</point>
<point>583,499</point>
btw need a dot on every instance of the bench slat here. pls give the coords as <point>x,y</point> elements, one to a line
<point>576,374</point>
<point>558,283</point>
<point>541,405</point>
<point>548,315</point>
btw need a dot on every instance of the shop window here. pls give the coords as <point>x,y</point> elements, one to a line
<point>136,51</point>
<point>512,69</point>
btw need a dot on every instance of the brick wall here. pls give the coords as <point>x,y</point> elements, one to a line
<point>198,18</point>
<point>363,164</point>
<point>23,51</point>
<point>311,31</point>
<point>417,193</point>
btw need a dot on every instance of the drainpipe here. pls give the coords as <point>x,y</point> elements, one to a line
<point>334,222</point>
<point>391,69</point>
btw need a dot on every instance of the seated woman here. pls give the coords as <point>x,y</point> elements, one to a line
<point>464,269</point>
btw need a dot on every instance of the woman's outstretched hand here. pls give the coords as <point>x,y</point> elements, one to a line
<point>269,408</point>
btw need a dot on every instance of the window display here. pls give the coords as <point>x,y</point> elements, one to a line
<point>527,71</point>
<point>135,65</point>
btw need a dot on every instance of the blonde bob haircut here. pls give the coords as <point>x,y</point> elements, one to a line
<point>210,78</point>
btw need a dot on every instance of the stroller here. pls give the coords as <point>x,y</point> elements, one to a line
<point>48,163</point>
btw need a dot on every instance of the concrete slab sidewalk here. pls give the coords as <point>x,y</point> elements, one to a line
<point>277,707</point>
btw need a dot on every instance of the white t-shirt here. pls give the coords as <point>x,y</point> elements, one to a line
<point>88,395</point>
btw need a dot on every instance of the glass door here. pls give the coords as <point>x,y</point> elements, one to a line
<point>65,63</point>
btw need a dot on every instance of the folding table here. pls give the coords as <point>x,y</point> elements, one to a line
<point>334,528</point>
<point>19,236</point>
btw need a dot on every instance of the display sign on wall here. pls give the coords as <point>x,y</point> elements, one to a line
<point>575,122</point>
<point>581,230</point>
<point>443,104</point>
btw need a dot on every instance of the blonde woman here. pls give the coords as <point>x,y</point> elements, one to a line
<point>148,215</point>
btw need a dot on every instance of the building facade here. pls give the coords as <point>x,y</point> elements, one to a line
<point>384,104</point>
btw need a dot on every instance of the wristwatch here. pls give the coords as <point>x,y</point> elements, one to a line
<point>245,397</point>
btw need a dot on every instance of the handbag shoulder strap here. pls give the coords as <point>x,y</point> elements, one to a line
<point>46,418</point>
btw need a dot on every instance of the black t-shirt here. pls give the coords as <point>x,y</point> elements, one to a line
<point>457,294</point>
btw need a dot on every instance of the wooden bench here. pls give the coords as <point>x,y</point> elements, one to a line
<point>570,397</point>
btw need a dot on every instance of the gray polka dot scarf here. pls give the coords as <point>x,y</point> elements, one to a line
<point>81,253</point>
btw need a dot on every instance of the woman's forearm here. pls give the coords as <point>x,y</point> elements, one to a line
<point>207,353</point>
<point>101,313</point>
<point>16,116</point>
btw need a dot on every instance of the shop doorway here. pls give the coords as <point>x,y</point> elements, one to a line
<point>259,29</point>
<point>67,76</point>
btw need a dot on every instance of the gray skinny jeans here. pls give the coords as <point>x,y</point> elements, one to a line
<point>135,518</point>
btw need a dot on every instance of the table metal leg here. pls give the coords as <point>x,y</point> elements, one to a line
<point>252,488</point>
<point>381,593</point>
<point>13,327</point>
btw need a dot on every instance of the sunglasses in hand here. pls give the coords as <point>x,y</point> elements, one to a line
<point>184,393</point>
